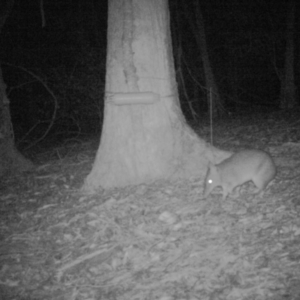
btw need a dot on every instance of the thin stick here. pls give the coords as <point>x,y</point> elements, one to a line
<point>211,115</point>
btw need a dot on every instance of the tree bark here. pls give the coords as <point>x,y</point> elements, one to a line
<point>288,88</point>
<point>144,135</point>
<point>10,159</point>
<point>212,90</point>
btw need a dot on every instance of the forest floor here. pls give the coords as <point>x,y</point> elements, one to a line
<point>156,241</point>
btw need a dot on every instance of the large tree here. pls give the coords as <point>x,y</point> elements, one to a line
<point>197,25</point>
<point>10,159</point>
<point>288,98</point>
<point>144,135</point>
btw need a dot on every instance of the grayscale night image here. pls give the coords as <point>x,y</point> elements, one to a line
<point>149,149</point>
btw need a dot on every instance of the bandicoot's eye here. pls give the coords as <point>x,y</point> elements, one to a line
<point>209,181</point>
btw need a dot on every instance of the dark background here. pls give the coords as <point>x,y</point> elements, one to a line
<point>56,74</point>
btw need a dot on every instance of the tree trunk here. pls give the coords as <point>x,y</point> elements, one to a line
<point>288,88</point>
<point>10,159</point>
<point>212,90</point>
<point>144,135</point>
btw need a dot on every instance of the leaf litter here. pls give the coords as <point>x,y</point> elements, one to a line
<point>156,241</point>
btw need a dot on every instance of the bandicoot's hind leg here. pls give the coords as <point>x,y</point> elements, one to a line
<point>260,186</point>
<point>258,193</point>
